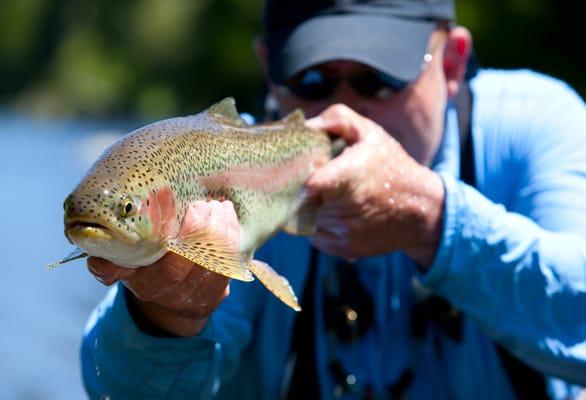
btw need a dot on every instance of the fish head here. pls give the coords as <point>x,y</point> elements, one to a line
<point>110,222</point>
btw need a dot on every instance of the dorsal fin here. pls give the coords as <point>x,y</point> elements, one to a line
<point>296,117</point>
<point>227,109</point>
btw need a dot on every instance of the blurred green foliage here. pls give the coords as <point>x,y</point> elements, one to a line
<point>158,58</point>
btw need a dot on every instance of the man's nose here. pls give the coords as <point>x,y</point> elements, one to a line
<point>345,94</point>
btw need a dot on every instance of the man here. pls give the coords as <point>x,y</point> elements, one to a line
<point>451,191</point>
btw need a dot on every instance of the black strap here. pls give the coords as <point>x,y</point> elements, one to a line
<point>304,383</point>
<point>527,382</point>
<point>467,172</point>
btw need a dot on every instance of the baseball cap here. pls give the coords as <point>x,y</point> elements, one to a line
<point>389,35</point>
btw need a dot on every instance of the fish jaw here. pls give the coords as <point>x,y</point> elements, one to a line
<point>78,233</point>
<point>126,249</point>
<point>83,227</point>
<point>103,243</point>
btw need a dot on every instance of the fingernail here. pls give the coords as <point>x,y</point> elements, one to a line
<point>315,122</point>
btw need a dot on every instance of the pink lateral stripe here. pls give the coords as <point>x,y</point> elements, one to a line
<point>268,178</point>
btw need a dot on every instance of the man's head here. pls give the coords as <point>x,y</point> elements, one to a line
<point>394,61</point>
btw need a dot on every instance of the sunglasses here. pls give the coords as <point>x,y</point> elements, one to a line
<point>318,83</point>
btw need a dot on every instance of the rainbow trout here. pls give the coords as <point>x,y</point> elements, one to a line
<point>129,207</point>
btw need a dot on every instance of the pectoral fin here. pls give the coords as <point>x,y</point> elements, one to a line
<point>275,283</point>
<point>74,255</point>
<point>211,251</point>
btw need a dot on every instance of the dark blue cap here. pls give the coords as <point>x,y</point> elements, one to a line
<point>389,35</point>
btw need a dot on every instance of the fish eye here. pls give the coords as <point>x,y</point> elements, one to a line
<point>127,207</point>
<point>66,203</point>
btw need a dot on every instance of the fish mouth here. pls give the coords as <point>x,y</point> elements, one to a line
<point>77,229</point>
<point>81,224</point>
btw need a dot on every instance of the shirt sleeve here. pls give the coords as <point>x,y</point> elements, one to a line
<point>520,269</point>
<point>120,361</point>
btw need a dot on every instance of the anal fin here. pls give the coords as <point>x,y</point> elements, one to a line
<point>275,283</point>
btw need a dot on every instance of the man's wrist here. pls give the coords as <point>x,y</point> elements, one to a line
<point>429,226</point>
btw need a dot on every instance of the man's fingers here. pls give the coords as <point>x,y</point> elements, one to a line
<point>169,269</point>
<point>341,120</point>
<point>327,180</point>
<point>337,119</point>
<point>362,134</point>
<point>106,272</point>
<point>330,243</point>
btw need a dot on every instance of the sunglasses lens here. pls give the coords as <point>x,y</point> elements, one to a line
<point>376,84</point>
<point>312,84</point>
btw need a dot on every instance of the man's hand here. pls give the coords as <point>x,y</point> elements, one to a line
<point>374,197</point>
<point>174,294</point>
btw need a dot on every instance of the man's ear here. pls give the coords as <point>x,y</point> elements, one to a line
<point>456,54</point>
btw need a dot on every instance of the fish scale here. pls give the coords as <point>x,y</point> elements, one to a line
<point>130,205</point>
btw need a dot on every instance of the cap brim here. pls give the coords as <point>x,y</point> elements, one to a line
<point>391,45</point>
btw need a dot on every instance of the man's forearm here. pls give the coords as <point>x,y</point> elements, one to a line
<point>522,283</point>
<point>430,207</point>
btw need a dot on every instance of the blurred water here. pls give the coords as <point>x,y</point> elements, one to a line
<point>43,312</point>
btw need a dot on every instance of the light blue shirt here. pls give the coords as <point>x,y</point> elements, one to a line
<point>512,257</point>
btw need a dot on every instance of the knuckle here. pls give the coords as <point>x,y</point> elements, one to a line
<point>172,277</point>
<point>339,111</point>
<point>177,302</point>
